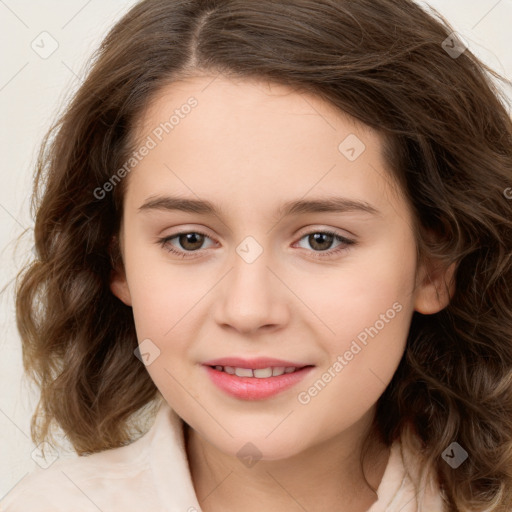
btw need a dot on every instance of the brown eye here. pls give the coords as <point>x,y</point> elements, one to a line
<point>320,241</point>
<point>190,241</point>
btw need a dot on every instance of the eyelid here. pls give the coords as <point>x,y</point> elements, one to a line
<point>322,227</point>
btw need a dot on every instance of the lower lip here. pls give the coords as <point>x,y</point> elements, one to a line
<point>252,388</point>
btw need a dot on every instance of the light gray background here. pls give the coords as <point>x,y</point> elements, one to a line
<point>33,88</point>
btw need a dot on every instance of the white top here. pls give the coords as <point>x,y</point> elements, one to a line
<point>152,475</point>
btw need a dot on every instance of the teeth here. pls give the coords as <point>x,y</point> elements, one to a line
<point>278,370</point>
<point>260,373</point>
<point>243,372</point>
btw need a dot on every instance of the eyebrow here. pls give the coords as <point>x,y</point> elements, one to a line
<point>297,207</point>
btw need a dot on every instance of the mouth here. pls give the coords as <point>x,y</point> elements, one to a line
<point>258,373</point>
<point>255,383</point>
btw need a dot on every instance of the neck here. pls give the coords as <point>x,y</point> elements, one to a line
<point>327,476</point>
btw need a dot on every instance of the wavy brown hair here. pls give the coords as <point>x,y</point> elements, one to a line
<point>448,141</point>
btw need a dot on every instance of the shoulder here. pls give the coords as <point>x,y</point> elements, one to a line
<point>85,484</point>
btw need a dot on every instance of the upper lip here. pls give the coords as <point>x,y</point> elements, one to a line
<point>254,364</point>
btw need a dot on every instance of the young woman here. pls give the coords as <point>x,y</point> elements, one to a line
<point>286,226</point>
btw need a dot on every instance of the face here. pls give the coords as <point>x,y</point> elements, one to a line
<point>333,290</point>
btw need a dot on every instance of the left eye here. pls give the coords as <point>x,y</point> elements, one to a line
<point>191,241</point>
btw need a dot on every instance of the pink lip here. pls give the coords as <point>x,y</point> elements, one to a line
<point>252,388</point>
<point>254,364</point>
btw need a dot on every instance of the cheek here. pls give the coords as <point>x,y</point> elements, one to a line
<point>151,299</point>
<point>366,309</point>
<point>162,304</point>
<point>162,292</point>
<point>354,296</point>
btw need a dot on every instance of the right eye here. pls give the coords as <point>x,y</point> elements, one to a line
<point>193,238</point>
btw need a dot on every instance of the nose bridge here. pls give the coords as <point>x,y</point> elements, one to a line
<point>250,296</point>
<point>251,264</point>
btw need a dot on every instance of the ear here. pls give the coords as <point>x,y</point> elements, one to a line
<point>435,287</point>
<point>118,281</point>
<point>119,287</point>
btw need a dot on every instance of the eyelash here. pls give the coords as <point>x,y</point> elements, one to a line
<point>164,242</point>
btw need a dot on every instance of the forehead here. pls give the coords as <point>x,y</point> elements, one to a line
<point>262,140</point>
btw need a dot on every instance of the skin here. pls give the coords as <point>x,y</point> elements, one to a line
<point>248,147</point>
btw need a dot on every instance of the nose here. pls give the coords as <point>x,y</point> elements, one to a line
<point>252,297</point>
